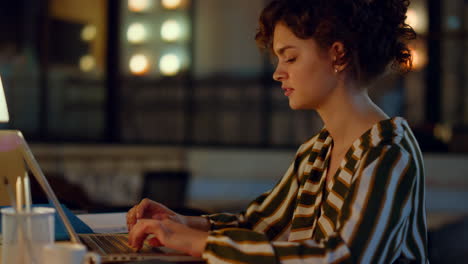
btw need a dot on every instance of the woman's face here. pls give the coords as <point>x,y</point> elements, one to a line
<point>304,69</point>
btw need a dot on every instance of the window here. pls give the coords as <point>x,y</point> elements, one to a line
<point>189,73</point>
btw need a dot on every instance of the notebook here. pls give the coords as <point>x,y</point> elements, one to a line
<point>16,158</point>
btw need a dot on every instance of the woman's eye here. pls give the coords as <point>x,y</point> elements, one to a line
<point>291,60</point>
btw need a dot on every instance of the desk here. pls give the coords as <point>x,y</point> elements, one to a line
<point>111,223</point>
<point>131,262</point>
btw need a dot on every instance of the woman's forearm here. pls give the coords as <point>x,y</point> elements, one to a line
<point>198,222</point>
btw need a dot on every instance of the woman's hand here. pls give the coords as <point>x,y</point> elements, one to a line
<point>148,209</point>
<point>169,233</point>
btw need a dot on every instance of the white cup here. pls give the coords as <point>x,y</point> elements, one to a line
<point>25,234</point>
<point>69,253</point>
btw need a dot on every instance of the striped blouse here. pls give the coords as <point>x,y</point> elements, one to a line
<point>371,211</point>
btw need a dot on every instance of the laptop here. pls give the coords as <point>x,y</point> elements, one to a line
<point>16,158</point>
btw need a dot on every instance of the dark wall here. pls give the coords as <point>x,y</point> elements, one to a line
<point>11,22</point>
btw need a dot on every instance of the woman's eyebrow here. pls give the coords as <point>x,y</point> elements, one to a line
<point>281,50</point>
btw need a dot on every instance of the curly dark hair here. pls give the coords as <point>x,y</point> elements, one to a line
<point>373,32</point>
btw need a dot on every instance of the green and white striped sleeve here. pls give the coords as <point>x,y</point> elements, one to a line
<point>250,217</point>
<point>225,220</point>
<point>373,222</point>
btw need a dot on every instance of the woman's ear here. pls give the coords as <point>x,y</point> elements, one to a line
<point>338,56</point>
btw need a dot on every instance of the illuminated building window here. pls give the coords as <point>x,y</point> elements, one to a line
<point>87,63</point>
<point>139,5</point>
<point>136,33</point>
<point>169,64</point>
<point>171,4</point>
<point>88,33</point>
<point>139,64</point>
<point>171,30</point>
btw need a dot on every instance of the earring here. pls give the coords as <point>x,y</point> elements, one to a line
<point>334,62</point>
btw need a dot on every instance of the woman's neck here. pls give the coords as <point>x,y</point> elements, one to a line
<point>349,113</point>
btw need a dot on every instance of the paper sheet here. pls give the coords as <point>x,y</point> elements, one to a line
<point>106,222</point>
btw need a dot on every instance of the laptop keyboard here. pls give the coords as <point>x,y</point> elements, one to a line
<point>106,244</point>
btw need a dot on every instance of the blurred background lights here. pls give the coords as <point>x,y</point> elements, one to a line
<point>88,33</point>
<point>87,63</point>
<point>417,19</point>
<point>139,5</point>
<point>136,33</point>
<point>171,30</point>
<point>171,4</point>
<point>443,132</point>
<point>412,18</point>
<point>453,23</point>
<point>420,58</point>
<point>169,64</point>
<point>139,64</point>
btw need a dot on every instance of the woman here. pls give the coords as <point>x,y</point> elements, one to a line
<point>355,191</point>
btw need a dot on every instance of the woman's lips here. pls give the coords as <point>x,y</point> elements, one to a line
<point>288,91</point>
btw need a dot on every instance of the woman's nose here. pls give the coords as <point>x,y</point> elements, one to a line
<point>279,75</point>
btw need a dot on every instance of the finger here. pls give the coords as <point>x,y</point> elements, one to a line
<point>141,230</point>
<point>130,217</point>
<point>141,207</point>
<point>154,242</point>
<point>136,233</point>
